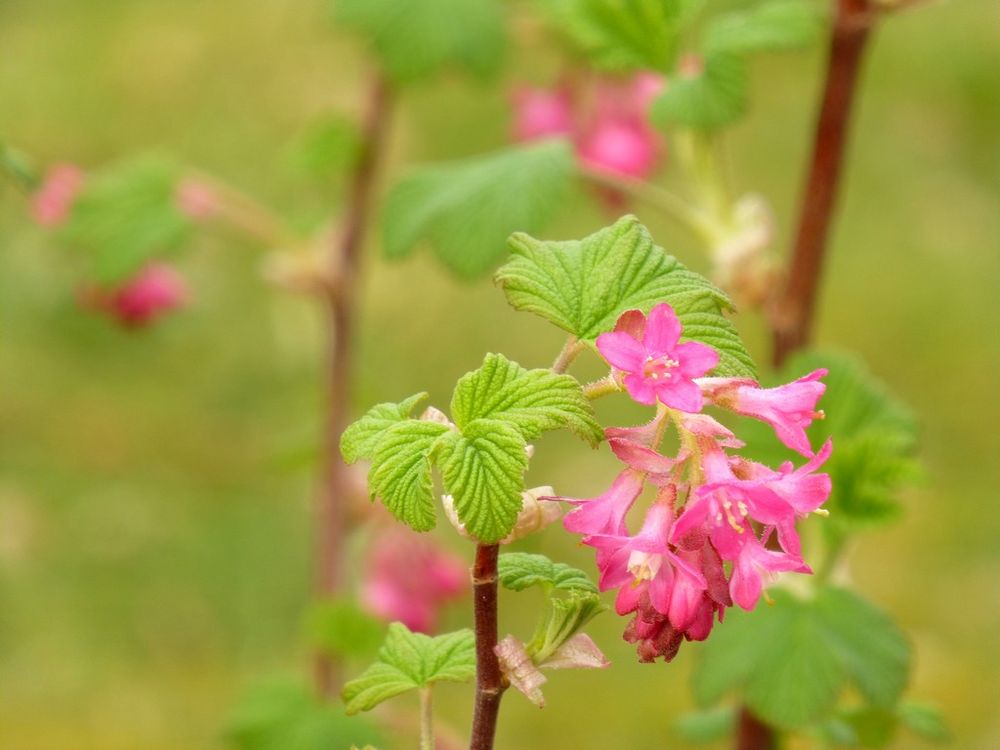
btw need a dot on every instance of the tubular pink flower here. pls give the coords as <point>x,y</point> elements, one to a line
<point>541,113</point>
<point>155,290</point>
<point>409,578</point>
<point>620,146</point>
<point>52,202</point>
<point>756,564</point>
<point>604,514</point>
<point>789,409</point>
<point>657,366</point>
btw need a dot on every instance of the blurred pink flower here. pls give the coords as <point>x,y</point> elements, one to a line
<point>409,578</point>
<point>619,146</point>
<point>52,202</point>
<point>156,289</point>
<point>197,200</point>
<point>656,365</point>
<point>541,113</point>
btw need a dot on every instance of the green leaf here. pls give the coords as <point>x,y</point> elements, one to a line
<point>125,216</point>
<point>534,401</point>
<point>327,147</point>
<point>871,726</point>
<point>706,726</point>
<point>872,649</point>
<point>400,473</point>
<point>710,100</point>
<point>582,286</point>
<point>408,661</point>
<point>361,437</point>
<point>622,34</point>
<point>790,661</point>
<point>414,39</point>
<point>483,469</point>
<point>566,616</point>
<point>924,720</point>
<point>341,628</point>
<point>521,570</point>
<point>466,209</point>
<point>770,27</point>
<point>19,167</point>
<point>286,715</point>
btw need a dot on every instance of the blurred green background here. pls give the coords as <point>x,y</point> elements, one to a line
<point>155,487</point>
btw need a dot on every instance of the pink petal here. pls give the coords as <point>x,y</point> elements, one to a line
<point>695,358</point>
<point>663,329</point>
<point>680,394</point>
<point>622,351</point>
<point>641,389</point>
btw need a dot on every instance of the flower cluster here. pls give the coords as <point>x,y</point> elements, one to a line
<point>606,120</point>
<point>720,525</point>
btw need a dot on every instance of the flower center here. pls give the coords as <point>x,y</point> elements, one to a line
<point>734,514</point>
<point>644,565</point>
<point>659,368</point>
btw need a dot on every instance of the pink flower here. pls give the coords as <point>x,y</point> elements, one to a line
<point>656,366</point>
<point>409,578</point>
<point>620,146</point>
<point>197,200</point>
<point>604,514</point>
<point>155,290</point>
<point>789,408</point>
<point>541,113</point>
<point>52,202</point>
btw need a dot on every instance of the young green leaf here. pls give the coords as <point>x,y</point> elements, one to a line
<point>400,473</point>
<point>872,649</point>
<point>774,26</point>
<point>532,400</point>
<point>483,469</point>
<point>925,721</point>
<point>286,715</point>
<point>326,148</point>
<point>622,35</point>
<point>582,286</point>
<point>342,628</point>
<point>710,100</point>
<point>566,616</point>
<point>521,570</point>
<point>465,210</point>
<point>125,216</point>
<point>416,38</point>
<point>409,661</point>
<point>361,437</point>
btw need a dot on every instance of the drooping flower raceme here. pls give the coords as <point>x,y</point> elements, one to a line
<point>154,290</point>
<point>721,526</point>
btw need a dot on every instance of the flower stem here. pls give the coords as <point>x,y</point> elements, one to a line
<point>602,387</point>
<point>426,719</point>
<point>570,351</point>
<point>340,303</point>
<point>489,678</point>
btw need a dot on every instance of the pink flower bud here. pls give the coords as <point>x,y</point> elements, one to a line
<point>196,200</point>
<point>154,290</point>
<point>52,202</point>
<point>620,146</point>
<point>541,113</point>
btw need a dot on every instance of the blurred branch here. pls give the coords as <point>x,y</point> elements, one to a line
<point>794,309</point>
<point>336,487</point>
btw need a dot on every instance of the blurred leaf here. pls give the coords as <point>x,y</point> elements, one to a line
<point>582,286</point>
<point>789,661</point>
<point>16,165</point>
<point>127,215</point>
<point>534,401</point>
<point>416,38</point>
<point>483,469</point>
<point>712,99</point>
<point>872,726</point>
<point>341,628</point>
<point>924,720</point>
<point>400,473</point>
<point>361,437</point>
<point>408,661</point>
<point>623,34</point>
<point>706,726</point>
<point>521,570</point>
<point>466,209</point>
<point>327,148</point>
<point>872,649</point>
<point>769,27</point>
<point>285,715</point>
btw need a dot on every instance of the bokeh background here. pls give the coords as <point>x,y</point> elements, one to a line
<point>155,487</point>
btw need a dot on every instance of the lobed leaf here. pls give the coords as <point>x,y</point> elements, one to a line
<point>360,438</point>
<point>466,209</point>
<point>409,661</point>
<point>400,473</point>
<point>521,570</point>
<point>712,99</point>
<point>775,26</point>
<point>582,286</point>
<point>534,401</point>
<point>483,468</point>
<point>414,39</point>
<point>342,628</point>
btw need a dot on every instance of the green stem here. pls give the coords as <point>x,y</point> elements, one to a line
<point>602,387</point>
<point>570,351</point>
<point>426,720</point>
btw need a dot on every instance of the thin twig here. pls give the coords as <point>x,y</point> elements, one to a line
<point>795,307</point>
<point>489,678</point>
<point>341,310</point>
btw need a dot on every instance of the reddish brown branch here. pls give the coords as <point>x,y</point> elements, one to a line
<point>795,307</point>
<point>340,300</point>
<point>753,734</point>
<point>489,678</point>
